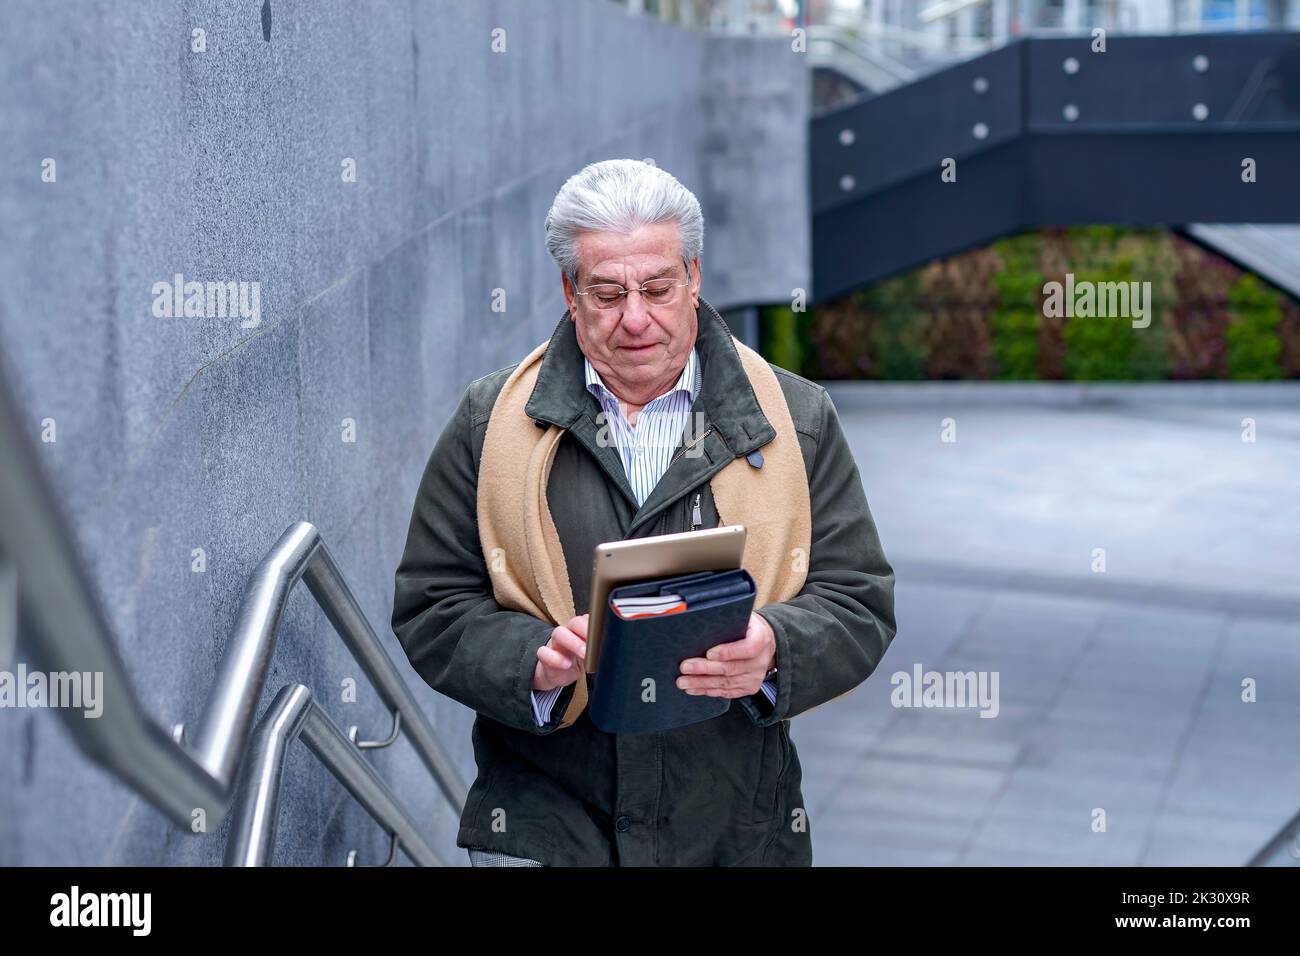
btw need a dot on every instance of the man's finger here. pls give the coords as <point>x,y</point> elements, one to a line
<point>726,682</point>
<point>568,642</point>
<point>724,686</point>
<point>718,682</point>
<point>553,659</point>
<point>701,665</point>
<point>579,626</point>
<point>748,646</point>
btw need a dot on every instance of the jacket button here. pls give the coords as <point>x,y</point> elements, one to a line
<point>623,823</point>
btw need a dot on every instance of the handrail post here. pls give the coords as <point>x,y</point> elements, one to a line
<point>257,808</point>
<point>293,714</point>
<point>228,718</point>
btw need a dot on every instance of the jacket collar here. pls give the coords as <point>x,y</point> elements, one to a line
<point>560,396</point>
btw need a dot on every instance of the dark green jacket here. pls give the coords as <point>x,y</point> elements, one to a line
<point>721,792</point>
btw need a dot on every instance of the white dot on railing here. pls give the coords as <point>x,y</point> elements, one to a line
<point>846,137</point>
<point>980,131</point>
<point>1200,111</point>
<point>1071,112</point>
<point>980,85</point>
<point>1071,65</point>
<point>1200,63</point>
<point>846,183</point>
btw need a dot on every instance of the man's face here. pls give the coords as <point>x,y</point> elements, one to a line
<point>638,349</point>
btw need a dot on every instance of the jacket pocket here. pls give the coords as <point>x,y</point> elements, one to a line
<point>782,819</point>
<point>767,801</point>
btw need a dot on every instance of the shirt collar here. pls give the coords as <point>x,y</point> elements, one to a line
<point>732,408</point>
<point>688,381</point>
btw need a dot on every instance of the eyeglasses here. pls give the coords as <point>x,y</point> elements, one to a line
<point>654,292</point>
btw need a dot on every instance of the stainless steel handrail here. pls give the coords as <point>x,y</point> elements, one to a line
<point>227,722</point>
<point>66,631</point>
<point>1288,837</point>
<point>292,714</point>
<point>60,614</point>
<point>8,612</point>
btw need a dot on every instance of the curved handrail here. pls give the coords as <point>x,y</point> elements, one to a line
<point>227,722</point>
<point>66,631</point>
<point>1289,834</point>
<point>295,714</point>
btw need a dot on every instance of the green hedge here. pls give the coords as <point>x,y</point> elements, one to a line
<point>1018,319</point>
<point>1111,348</point>
<point>1253,347</point>
<point>982,315</point>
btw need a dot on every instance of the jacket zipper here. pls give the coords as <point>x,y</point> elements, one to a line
<point>687,447</point>
<point>697,519</point>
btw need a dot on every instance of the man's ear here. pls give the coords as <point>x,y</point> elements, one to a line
<point>569,291</point>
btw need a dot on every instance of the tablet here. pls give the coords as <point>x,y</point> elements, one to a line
<point>658,556</point>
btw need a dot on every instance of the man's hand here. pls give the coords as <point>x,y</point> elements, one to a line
<point>735,669</point>
<point>560,660</point>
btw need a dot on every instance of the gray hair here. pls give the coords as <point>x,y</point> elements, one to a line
<point>618,195</point>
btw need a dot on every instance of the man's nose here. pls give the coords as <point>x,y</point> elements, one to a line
<point>635,315</point>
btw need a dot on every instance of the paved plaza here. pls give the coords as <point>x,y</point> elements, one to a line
<point>1119,691</point>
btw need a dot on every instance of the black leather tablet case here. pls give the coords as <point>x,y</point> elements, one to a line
<point>718,605</point>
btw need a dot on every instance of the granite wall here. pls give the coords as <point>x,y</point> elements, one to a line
<point>233,163</point>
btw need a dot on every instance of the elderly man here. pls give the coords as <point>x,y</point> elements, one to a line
<point>630,421</point>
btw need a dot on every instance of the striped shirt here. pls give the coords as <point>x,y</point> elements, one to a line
<point>647,447</point>
<point>646,450</point>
